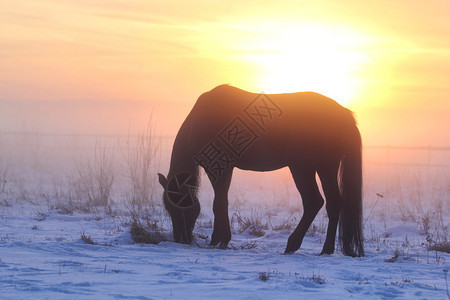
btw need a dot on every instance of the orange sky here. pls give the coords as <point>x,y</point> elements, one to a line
<point>387,60</point>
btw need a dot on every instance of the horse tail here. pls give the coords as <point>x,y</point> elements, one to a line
<point>350,174</point>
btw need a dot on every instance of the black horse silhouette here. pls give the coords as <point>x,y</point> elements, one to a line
<point>307,132</point>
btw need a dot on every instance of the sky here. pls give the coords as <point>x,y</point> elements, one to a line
<point>97,66</point>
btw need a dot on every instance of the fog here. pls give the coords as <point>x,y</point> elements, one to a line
<point>45,146</point>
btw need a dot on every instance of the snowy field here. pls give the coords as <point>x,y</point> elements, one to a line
<point>43,255</point>
<point>55,244</point>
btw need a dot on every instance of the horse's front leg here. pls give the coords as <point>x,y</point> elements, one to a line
<point>221,233</point>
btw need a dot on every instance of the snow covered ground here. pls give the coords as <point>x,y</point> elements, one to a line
<point>42,255</point>
<point>51,249</point>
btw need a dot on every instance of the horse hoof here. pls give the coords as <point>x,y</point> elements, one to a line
<point>223,245</point>
<point>289,251</point>
<point>213,243</point>
<point>291,248</point>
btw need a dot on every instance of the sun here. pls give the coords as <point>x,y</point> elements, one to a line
<point>309,58</point>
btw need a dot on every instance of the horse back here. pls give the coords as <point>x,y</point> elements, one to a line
<point>275,128</point>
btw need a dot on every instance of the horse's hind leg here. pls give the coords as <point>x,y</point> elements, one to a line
<point>328,177</point>
<point>221,232</point>
<point>305,181</point>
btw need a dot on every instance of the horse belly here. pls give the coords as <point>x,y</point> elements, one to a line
<point>262,166</point>
<point>262,157</point>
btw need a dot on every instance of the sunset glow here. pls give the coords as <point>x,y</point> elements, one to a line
<point>308,58</point>
<point>368,56</point>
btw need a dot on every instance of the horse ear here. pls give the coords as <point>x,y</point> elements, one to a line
<point>162,180</point>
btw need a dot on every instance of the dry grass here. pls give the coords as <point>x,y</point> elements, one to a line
<point>316,278</point>
<point>144,235</point>
<point>246,245</point>
<point>263,276</point>
<point>141,157</point>
<point>96,177</point>
<point>252,224</point>
<point>87,239</point>
<point>288,224</point>
<point>394,257</point>
<point>4,176</point>
<point>439,246</point>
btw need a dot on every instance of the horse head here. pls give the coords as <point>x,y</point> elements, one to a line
<point>180,200</point>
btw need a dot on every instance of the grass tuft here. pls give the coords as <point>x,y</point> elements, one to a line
<point>263,276</point>
<point>316,278</point>
<point>440,247</point>
<point>253,224</point>
<point>319,279</point>
<point>142,235</point>
<point>87,239</point>
<point>394,257</point>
